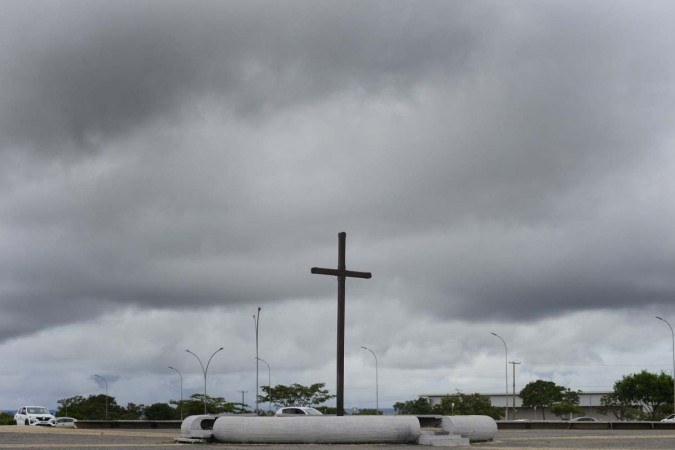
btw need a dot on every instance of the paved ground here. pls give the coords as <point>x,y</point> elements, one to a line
<point>50,438</point>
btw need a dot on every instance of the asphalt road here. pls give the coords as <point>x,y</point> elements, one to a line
<point>50,438</point>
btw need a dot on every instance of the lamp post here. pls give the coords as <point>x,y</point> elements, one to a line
<point>673,335</point>
<point>256,323</point>
<point>106,394</point>
<point>377,389</point>
<point>205,370</point>
<point>506,371</point>
<point>181,390</point>
<point>513,404</point>
<point>269,382</point>
<point>243,400</point>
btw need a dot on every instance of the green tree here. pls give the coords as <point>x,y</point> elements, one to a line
<point>568,405</point>
<point>295,395</point>
<point>621,409</point>
<point>541,394</point>
<point>161,411</point>
<point>132,412</point>
<point>367,412</point>
<point>91,408</point>
<point>6,419</point>
<point>329,410</point>
<point>650,390</point>
<point>214,405</point>
<point>466,404</point>
<point>419,406</point>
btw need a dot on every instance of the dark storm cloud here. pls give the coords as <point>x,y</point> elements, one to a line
<point>77,72</point>
<point>477,153</point>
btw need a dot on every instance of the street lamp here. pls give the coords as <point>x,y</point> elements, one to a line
<point>377,389</point>
<point>506,372</point>
<point>269,382</point>
<point>256,323</point>
<point>106,394</point>
<point>181,391</point>
<point>205,370</point>
<point>673,335</point>
<point>513,404</point>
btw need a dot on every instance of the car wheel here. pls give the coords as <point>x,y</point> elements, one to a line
<point>26,422</point>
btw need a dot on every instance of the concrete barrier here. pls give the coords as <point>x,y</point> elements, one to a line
<point>475,428</point>
<point>317,430</point>
<point>198,427</point>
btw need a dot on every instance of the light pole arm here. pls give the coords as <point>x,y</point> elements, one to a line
<point>672,333</point>
<point>207,364</point>
<point>506,374</point>
<point>198,360</point>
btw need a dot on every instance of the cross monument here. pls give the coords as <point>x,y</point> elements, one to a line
<point>341,273</point>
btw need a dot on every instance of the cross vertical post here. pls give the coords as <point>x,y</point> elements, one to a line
<point>342,237</point>
<point>341,273</point>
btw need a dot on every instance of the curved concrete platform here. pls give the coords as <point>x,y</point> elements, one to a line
<point>317,430</point>
<point>475,428</point>
<point>197,427</point>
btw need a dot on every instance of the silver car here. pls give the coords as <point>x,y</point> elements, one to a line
<point>65,422</point>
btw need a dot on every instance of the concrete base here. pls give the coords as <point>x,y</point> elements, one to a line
<point>475,428</point>
<point>442,439</point>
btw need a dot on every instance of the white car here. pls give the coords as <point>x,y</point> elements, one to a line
<point>297,411</point>
<point>670,418</point>
<point>34,415</point>
<point>65,422</point>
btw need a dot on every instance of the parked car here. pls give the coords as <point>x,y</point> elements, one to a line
<point>584,419</point>
<point>670,418</point>
<point>297,411</point>
<point>34,415</point>
<point>65,422</point>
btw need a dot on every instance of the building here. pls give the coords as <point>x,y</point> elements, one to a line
<point>588,401</point>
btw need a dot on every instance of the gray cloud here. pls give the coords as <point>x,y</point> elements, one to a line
<point>490,162</point>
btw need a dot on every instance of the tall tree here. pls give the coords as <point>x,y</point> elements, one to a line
<point>214,405</point>
<point>621,409</point>
<point>541,394</point>
<point>161,411</point>
<point>92,408</point>
<point>650,390</point>
<point>568,405</point>
<point>467,404</point>
<point>419,406</point>
<point>295,395</point>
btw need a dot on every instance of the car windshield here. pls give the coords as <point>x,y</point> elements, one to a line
<point>38,411</point>
<point>313,412</point>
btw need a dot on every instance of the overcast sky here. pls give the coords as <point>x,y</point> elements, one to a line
<point>166,167</point>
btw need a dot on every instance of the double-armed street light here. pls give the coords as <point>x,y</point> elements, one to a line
<point>377,389</point>
<point>204,369</point>
<point>181,390</point>
<point>106,394</point>
<point>673,336</point>
<point>506,372</point>
<point>269,382</point>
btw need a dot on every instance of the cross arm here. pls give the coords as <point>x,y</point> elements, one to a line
<point>341,273</point>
